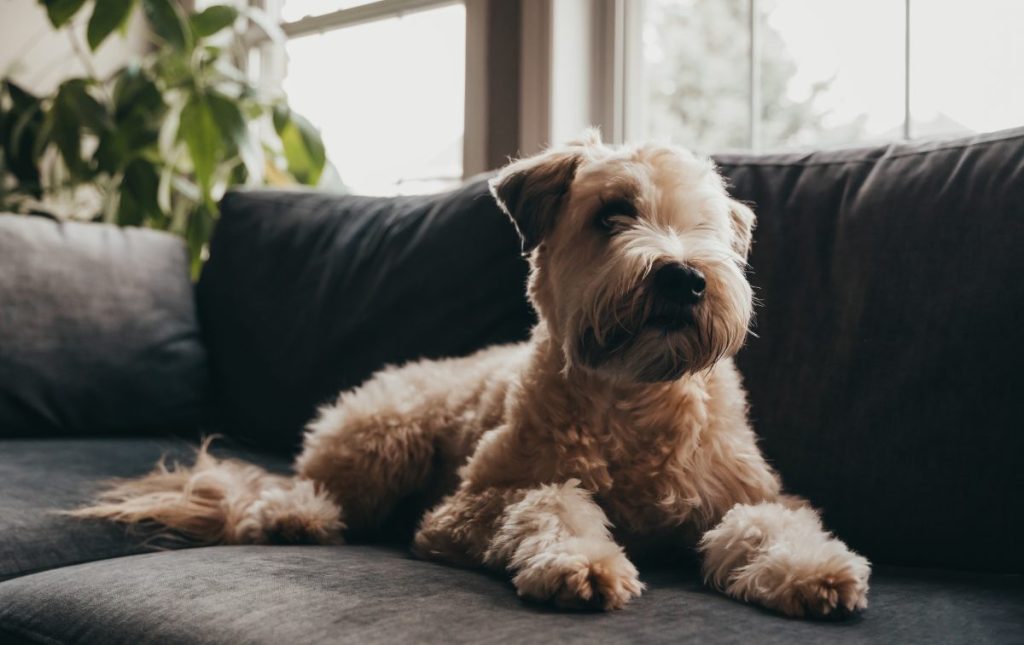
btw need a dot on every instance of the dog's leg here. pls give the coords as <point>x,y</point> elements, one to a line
<point>401,437</point>
<point>553,539</point>
<point>368,460</point>
<point>777,554</point>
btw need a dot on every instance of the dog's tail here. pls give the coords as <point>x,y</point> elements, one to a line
<point>220,501</point>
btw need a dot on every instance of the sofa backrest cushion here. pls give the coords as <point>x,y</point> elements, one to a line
<point>306,294</point>
<point>887,374</point>
<point>98,332</point>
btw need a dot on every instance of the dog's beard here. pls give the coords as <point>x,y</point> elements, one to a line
<point>641,338</point>
<point>647,349</point>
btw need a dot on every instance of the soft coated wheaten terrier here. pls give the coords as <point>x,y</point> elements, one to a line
<point>622,421</point>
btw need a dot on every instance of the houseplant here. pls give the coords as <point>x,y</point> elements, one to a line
<point>157,142</point>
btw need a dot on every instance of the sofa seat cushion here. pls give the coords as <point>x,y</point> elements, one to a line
<point>40,477</point>
<point>371,594</point>
<point>98,331</point>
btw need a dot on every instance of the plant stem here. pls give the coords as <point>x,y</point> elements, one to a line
<point>86,61</point>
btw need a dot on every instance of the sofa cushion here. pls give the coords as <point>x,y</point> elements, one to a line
<point>886,374</point>
<point>306,294</point>
<point>39,478</point>
<point>98,331</point>
<point>365,594</point>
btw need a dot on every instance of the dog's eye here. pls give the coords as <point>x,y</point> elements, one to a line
<point>614,215</point>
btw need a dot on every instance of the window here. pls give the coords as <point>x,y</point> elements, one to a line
<point>413,95</point>
<point>771,74</point>
<point>385,84</point>
<point>966,66</point>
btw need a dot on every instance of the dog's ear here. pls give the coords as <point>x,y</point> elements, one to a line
<point>533,190</point>
<point>743,220</point>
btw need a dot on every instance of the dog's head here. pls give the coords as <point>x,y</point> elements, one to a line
<point>637,256</point>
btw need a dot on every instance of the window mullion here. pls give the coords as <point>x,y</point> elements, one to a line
<point>754,89</point>
<point>906,71</point>
<point>358,15</point>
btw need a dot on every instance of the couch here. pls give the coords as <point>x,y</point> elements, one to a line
<point>886,380</point>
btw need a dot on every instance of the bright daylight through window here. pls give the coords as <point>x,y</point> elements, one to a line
<point>826,72</point>
<point>387,95</point>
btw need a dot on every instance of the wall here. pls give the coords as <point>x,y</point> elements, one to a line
<point>38,58</point>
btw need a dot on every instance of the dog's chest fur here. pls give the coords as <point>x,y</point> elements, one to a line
<point>663,457</point>
<point>655,457</point>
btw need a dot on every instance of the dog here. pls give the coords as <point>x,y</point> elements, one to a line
<point>623,419</point>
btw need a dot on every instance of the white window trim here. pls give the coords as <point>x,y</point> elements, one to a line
<point>536,74</point>
<point>359,15</point>
<point>474,137</point>
<point>581,78</point>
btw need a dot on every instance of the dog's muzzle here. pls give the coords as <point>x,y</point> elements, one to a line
<point>673,293</point>
<point>677,290</point>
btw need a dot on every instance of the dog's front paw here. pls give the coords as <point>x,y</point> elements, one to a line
<point>574,581</point>
<point>780,557</point>
<point>836,589</point>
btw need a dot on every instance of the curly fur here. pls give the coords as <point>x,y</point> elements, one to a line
<point>541,458</point>
<point>221,501</point>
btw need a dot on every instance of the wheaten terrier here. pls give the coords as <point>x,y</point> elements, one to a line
<point>622,421</point>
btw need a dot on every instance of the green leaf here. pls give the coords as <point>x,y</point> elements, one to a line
<point>198,129</point>
<point>281,114</point>
<point>139,194</point>
<point>138,114</point>
<point>22,138</point>
<point>111,153</point>
<point>168,22</point>
<point>231,122</point>
<point>200,226</point>
<point>60,11</point>
<point>303,148</point>
<point>213,19</point>
<point>20,98</point>
<point>228,117</point>
<point>21,148</point>
<point>135,92</point>
<point>107,15</point>
<point>87,110</point>
<point>139,111</point>
<point>66,132</point>
<point>73,112</point>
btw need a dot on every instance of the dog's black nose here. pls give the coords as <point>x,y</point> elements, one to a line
<point>680,284</point>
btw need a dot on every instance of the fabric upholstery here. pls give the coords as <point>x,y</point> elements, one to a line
<point>886,374</point>
<point>39,478</point>
<point>361,594</point>
<point>98,331</point>
<point>306,294</point>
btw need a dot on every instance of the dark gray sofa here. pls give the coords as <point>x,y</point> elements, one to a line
<point>885,379</point>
